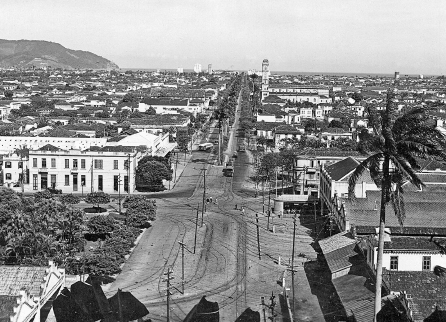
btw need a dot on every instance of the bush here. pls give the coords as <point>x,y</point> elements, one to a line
<point>101,225</point>
<point>140,205</point>
<point>94,264</point>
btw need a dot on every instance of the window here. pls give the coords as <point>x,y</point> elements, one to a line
<point>20,164</point>
<point>75,163</point>
<point>126,164</point>
<point>115,164</point>
<point>35,180</point>
<point>426,263</point>
<point>8,176</point>
<point>53,181</point>
<point>116,183</point>
<point>35,163</point>
<point>394,263</point>
<point>8,164</point>
<point>98,164</point>
<point>43,163</point>
<point>53,162</point>
<point>67,163</point>
<point>83,163</point>
<point>100,183</point>
<point>67,180</point>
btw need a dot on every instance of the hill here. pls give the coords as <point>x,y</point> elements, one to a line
<point>39,53</point>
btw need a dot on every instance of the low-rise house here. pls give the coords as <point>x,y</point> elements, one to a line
<point>25,291</point>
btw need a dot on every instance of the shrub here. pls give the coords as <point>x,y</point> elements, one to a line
<point>101,225</point>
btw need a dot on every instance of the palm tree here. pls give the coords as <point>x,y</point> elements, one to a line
<point>393,153</point>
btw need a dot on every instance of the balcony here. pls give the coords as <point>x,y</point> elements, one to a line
<point>74,170</point>
<point>42,170</point>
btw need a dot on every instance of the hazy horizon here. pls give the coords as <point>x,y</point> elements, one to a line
<point>366,37</point>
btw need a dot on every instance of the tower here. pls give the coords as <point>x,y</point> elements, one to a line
<point>265,79</point>
<point>210,69</point>
<point>397,75</point>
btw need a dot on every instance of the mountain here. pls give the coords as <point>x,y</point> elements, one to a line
<point>40,53</point>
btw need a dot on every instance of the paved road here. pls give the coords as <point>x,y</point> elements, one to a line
<point>226,265</point>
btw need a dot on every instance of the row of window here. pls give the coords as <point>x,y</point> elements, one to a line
<point>426,263</point>
<point>44,184</point>
<point>8,164</point>
<point>98,163</point>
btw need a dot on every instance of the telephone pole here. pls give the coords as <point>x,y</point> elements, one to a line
<point>292,259</point>
<point>204,194</point>
<point>272,305</point>
<point>196,227</point>
<point>258,234</point>
<point>182,265</point>
<point>169,272</point>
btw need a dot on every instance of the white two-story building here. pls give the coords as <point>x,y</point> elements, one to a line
<point>107,169</point>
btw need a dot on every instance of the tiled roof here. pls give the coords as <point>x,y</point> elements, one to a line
<point>424,211</point>
<point>412,243</point>
<point>426,289</point>
<point>16,278</point>
<point>7,304</point>
<point>356,290</point>
<point>340,169</point>
<point>337,250</point>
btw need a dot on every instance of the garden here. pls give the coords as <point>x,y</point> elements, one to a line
<point>42,227</point>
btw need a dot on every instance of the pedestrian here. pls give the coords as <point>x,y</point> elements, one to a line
<point>235,206</point>
<point>216,201</point>
<point>210,198</point>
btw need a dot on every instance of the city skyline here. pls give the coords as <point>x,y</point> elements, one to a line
<point>326,37</point>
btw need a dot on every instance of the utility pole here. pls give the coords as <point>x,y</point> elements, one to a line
<point>182,265</point>
<point>168,294</point>
<point>269,202</point>
<point>204,194</point>
<point>119,193</point>
<point>258,235</point>
<point>262,299</point>
<point>292,259</point>
<point>196,227</point>
<point>263,196</point>
<point>121,317</point>
<point>272,305</point>
<point>128,175</point>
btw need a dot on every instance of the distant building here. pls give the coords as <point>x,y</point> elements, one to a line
<point>265,79</point>
<point>210,69</point>
<point>197,68</point>
<point>180,70</point>
<point>397,75</point>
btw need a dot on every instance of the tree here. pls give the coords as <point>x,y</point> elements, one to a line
<point>392,161</point>
<point>8,94</point>
<point>150,175</point>
<point>96,198</point>
<point>336,123</point>
<point>69,199</point>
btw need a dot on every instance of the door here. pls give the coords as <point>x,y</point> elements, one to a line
<point>43,181</point>
<point>75,187</point>
<point>100,183</point>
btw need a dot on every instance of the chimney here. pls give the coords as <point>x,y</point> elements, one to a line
<point>376,205</point>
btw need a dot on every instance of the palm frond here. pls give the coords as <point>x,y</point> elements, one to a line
<point>406,170</point>
<point>372,162</point>
<point>397,200</point>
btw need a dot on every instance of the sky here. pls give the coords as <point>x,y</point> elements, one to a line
<point>352,36</point>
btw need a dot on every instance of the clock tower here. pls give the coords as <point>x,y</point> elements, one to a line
<point>265,78</point>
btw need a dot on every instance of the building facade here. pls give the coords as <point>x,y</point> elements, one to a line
<point>265,79</point>
<point>76,171</point>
